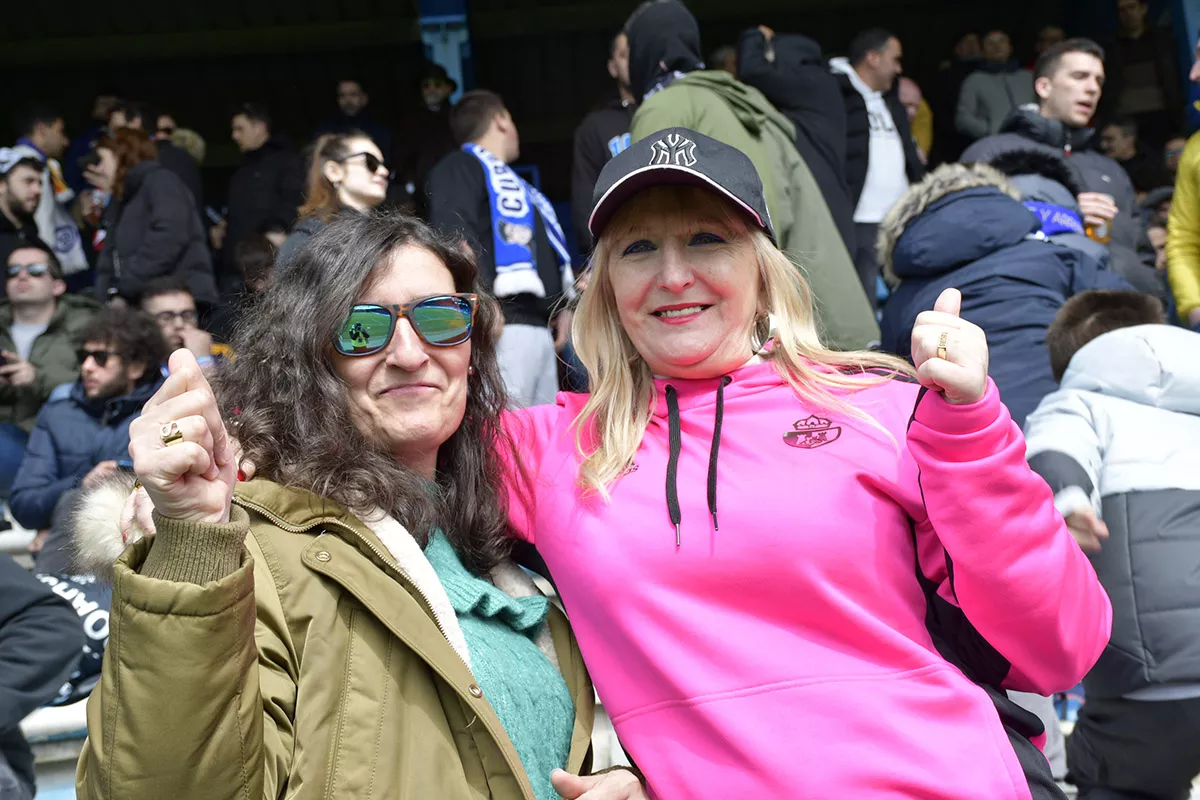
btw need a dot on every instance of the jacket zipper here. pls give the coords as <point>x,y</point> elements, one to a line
<point>287,526</point>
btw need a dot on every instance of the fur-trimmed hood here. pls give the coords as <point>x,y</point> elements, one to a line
<point>933,189</point>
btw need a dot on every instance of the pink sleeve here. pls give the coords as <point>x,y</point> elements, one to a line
<point>1011,564</point>
<point>530,430</point>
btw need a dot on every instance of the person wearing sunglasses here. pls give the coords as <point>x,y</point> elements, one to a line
<point>347,174</point>
<point>38,326</point>
<point>82,433</point>
<point>350,624</point>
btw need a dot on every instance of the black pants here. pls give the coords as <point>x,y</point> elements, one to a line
<point>1135,749</point>
<point>866,259</point>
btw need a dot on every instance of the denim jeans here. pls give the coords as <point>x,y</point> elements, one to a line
<point>12,450</point>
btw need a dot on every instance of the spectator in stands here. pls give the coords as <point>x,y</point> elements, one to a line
<point>968,55</point>
<point>920,115</point>
<point>1068,80</point>
<point>516,238</point>
<point>82,144</point>
<point>991,93</point>
<point>725,58</point>
<point>603,134</point>
<point>1183,228</point>
<point>42,641</point>
<point>1144,166</point>
<point>666,74</point>
<point>168,302</point>
<point>1119,444</point>
<point>82,433</point>
<point>141,117</point>
<point>1156,205</point>
<point>347,173</point>
<point>1143,75</point>
<point>881,158</point>
<point>354,117</point>
<point>152,227</point>
<point>1047,37</point>
<point>791,72</point>
<point>964,227</point>
<point>20,196</point>
<point>268,185</point>
<point>427,134</point>
<point>43,138</point>
<point>1158,237</point>
<point>38,328</point>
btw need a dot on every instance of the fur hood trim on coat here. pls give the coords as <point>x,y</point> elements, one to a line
<point>115,514</point>
<point>945,180</point>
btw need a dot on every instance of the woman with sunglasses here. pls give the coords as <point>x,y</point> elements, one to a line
<point>347,173</point>
<point>347,623</point>
<point>151,227</point>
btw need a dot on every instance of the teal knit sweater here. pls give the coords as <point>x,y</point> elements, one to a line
<point>527,692</point>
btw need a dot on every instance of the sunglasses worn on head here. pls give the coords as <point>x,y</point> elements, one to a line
<point>100,356</point>
<point>372,162</point>
<point>441,321</point>
<point>34,270</point>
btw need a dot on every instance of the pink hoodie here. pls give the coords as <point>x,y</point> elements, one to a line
<point>791,653</point>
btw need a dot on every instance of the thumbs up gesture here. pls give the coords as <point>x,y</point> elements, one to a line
<point>950,354</point>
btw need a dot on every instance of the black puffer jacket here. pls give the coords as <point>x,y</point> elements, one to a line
<point>793,75</point>
<point>1131,251</point>
<point>269,185</point>
<point>152,231</point>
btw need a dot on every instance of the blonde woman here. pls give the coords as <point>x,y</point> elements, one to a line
<point>793,572</point>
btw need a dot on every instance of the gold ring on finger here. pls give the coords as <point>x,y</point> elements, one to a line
<point>170,434</point>
<point>941,347</point>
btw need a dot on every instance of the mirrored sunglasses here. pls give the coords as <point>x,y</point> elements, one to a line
<point>34,270</point>
<point>440,321</point>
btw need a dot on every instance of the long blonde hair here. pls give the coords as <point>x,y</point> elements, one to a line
<point>609,429</point>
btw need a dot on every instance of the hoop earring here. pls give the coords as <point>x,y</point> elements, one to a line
<point>761,333</point>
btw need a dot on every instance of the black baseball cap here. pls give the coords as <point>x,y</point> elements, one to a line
<point>679,157</point>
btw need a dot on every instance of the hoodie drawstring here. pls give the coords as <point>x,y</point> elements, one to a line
<point>675,441</point>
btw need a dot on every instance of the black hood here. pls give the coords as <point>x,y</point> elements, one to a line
<point>663,38</point>
<point>1033,125</point>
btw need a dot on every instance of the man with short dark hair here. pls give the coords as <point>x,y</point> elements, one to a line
<point>354,115</point>
<point>881,158</point>
<point>38,323</point>
<point>82,434</point>
<point>170,303</point>
<point>268,185</point>
<point>516,238</point>
<point>1146,168</point>
<point>1068,80</point>
<point>603,134</point>
<point>141,117</point>
<point>43,138</point>
<point>20,196</point>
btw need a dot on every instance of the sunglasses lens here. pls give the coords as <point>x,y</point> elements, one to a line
<point>443,320</point>
<point>99,356</point>
<point>365,330</point>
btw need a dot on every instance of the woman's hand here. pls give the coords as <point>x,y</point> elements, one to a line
<point>950,354</point>
<point>192,478</point>
<point>619,784</point>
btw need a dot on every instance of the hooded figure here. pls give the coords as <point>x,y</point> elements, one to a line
<point>791,72</point>
<point>665,69</point>
<point>965,227</point>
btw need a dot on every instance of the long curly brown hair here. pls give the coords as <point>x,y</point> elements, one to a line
<point>290,410</point>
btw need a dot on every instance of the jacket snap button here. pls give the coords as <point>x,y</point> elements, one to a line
<point>475,690</point>
<point>323,556</point>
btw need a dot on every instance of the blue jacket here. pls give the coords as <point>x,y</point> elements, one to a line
<point>977,240</point>
<point>71,436</point>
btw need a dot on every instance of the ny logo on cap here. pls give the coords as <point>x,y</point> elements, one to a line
<point>673,149</point>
